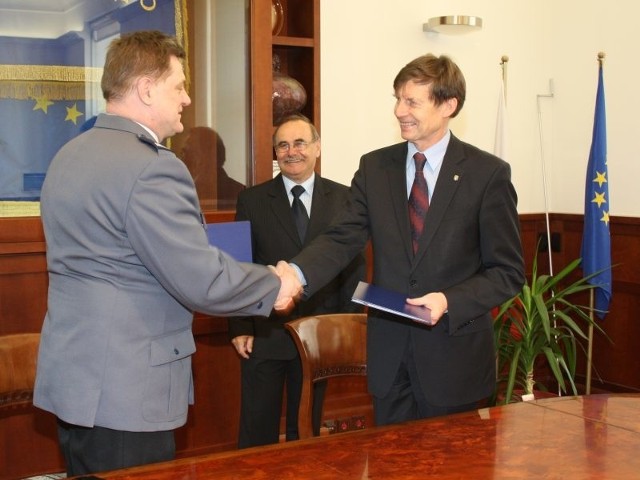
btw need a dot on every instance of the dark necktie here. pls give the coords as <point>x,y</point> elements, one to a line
<point>418,201</point>
<point>300,215</point>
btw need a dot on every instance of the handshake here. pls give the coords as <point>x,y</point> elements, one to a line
<point>290,286</point>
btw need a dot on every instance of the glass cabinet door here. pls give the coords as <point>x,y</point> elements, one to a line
<point>51,59</point>
<point>215,142</point>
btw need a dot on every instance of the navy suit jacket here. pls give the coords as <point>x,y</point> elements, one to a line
<point>274,238</point>
<point>470,251</point>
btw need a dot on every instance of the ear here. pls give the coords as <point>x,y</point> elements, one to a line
<point>143,89</point>
<point>449,106</point>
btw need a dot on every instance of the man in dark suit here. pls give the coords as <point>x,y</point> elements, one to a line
<point>454,248</point>
<point>129,261</point>
<point>270,358</point>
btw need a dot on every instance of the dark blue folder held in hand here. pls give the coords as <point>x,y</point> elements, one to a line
<point>390,301</point>
<point>233,238</point>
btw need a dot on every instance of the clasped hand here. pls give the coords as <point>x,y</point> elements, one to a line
<point>290,286</point>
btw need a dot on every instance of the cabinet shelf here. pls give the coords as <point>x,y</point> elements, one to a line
<point>297,48</point>
<point>293,42</point>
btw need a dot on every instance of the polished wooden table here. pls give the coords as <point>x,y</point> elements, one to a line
<point>587,437</point>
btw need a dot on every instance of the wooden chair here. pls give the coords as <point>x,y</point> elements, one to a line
<point>18,354</point>
<point>330,345</point>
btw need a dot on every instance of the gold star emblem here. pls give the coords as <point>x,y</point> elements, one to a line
<point>600,178</point>
<point>42,103</point>
<point>73,114</point>
<point>605,218</point>
<point>599,199</point>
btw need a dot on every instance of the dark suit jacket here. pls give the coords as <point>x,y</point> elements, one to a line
<point>470,251</point>
<point>274,238</point>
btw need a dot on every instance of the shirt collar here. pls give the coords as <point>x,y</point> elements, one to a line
<point>153,135</point>
<point>307,184</point>
<point>435,153</point>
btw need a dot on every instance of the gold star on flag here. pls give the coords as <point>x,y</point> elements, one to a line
<point>605,218</point>
<point>601,177</point>
<point>73,114</point>
<point>42,103</point>
<point>599,199</point>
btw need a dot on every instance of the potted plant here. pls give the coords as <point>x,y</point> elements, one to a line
<point>538,326</point>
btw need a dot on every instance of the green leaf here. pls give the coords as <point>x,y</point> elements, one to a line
<point>542,321</point>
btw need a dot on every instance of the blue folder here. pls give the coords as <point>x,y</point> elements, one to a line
<point>233,238</point>
<point>390,301</point>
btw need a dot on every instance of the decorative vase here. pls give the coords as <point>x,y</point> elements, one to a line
<point>277,17</point>
<point>288,95</point>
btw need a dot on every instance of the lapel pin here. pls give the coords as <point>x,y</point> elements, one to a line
<point>456,178</point>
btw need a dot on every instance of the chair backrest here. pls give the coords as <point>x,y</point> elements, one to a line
<point>330,345</point>
<point>18,355</point>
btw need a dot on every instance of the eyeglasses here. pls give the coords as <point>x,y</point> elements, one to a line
<point>298,145</point>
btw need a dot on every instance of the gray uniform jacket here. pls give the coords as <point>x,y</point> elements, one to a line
<point>129,262</point>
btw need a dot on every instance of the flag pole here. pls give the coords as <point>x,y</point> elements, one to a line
<point>546,197</point>
<point>500,141</point>
<point>503,63</point>
<point>587,389</point>
<point>544,175</point>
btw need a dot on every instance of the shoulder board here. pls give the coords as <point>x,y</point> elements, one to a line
<point>152,142</point>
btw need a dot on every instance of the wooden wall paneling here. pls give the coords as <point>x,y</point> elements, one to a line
<point>23,275</point>
<point>28,444</point>
<point>616,365</point>
<point>212,424</point>
<point>615,361</point>
<point>28,438</point>
<point>23,294</point>
<point>622,363</point>
<point>531,226</point>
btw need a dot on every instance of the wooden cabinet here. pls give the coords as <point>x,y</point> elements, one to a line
<point>298,48</point>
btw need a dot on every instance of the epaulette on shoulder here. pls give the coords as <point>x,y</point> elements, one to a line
<point>152,142</point>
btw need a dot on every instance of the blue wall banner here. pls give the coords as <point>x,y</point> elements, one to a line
<point>50,87</point>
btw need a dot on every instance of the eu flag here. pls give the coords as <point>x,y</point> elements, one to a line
<point>596,239</point>
<point>49,87</point>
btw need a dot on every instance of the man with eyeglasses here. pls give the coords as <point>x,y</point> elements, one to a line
<point>269,356</point>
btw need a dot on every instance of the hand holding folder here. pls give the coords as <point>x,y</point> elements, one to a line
<point>390,301</point>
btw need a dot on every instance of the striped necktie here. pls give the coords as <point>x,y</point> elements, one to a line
<point>418,201</point>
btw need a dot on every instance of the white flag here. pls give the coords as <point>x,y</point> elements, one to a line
<point>500,143</point>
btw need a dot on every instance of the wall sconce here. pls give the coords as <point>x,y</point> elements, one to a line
<point>452,24</point>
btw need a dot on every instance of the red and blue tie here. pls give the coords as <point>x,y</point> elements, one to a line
<point>418,201</point>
